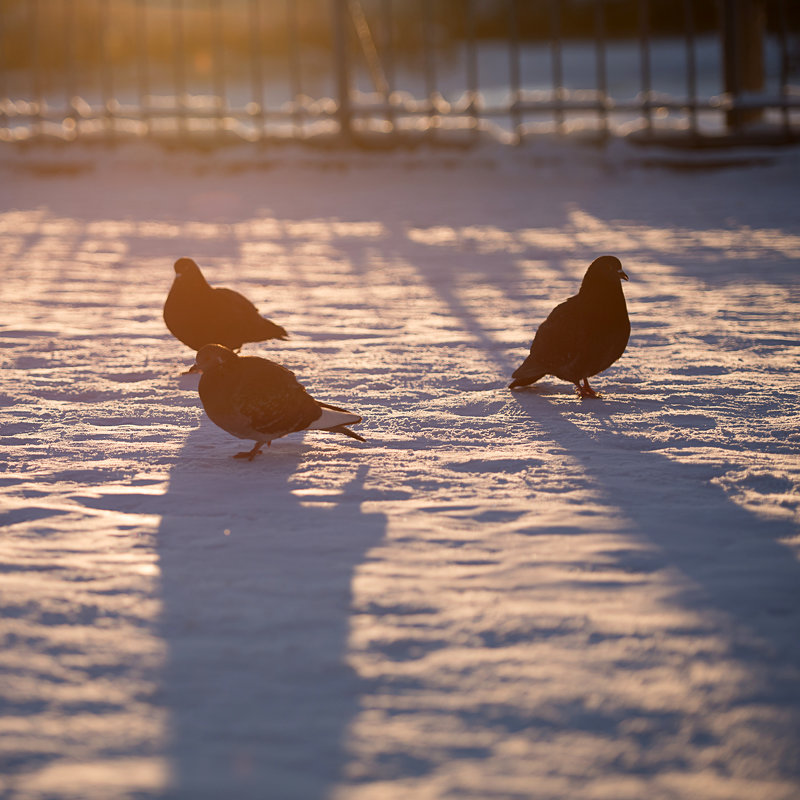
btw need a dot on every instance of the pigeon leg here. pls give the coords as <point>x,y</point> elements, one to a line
<point>251,454</point>
<point>586,390</point>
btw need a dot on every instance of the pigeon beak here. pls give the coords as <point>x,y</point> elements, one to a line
<point>623,276</point>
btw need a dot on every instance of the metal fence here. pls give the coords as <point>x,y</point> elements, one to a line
<point>387,71</point>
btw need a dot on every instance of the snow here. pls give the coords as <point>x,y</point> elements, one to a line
<point>500,595</point>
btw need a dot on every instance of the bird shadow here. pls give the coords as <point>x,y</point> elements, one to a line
<point>672,506</point>
<point>733,571</point>
<point>686,519</point>
<point>727,567</point>
<point>256,569</point>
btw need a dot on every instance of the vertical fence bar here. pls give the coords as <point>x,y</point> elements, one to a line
<point>691,65</point>
<point>342,68</point>
<point>70,90</point>
<point>142,75</point>
<point>743,37</point>
<point>388,59</point>
<point>602,72</point>
<point>295,76</point>
<point>219,83</point>
<point>429,65</point>
<point>644,51</point>
<point>369,51</point>
<point>256,71</point>
<point>783,44</point>
<point>514,71</point>
<point>730,77</point>
<point>178,68</point>
<point>472,65</point>
<point>557,64</point>
<point>106,78</point>
<point>4,67</point>
<point>730,59</point>
<point>36,67</point>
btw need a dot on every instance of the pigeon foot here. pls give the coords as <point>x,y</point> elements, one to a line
<point>585,390</point>
<point>251,454</point>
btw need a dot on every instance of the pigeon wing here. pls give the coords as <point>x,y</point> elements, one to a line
<point>232,302</point>
<point>558,342</point>
<point>271,398</point>
<point>242,314</point>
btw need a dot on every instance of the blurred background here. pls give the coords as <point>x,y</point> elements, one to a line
<point>261,69</point>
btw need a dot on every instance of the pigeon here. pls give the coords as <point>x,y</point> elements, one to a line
<point>198,314</point>
<point>254,398</point>
<point>585,334</point>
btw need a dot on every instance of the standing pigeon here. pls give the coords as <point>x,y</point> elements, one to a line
<point>254,398</point>
<point>198,314</point>
<point>583,335</point>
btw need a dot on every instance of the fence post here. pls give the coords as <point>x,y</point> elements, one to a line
<point>743,30</point>
<point>341,67</point>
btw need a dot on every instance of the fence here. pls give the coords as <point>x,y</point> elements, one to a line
<point>389,71</point>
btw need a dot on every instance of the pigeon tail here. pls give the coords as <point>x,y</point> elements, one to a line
<point>333,417</point>
<point>272,331</point>
<point>525,376</point>
<point>346,432</point>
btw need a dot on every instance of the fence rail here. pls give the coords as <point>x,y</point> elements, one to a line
<point>381,70</point>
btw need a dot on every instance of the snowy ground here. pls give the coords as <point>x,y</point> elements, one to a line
<point>499,595</point>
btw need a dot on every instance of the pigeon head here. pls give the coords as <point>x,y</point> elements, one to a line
<point>212,355</point>
<point>604,271</point>
<point>186,268</point>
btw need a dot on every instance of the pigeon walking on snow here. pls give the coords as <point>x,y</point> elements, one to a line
<point>585,334</point>
<point>257,399</point>
<point>199,314</point>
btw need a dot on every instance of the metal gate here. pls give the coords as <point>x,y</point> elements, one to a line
<point>396,71</point>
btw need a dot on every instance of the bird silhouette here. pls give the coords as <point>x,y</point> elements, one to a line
<point>254,398</point>
<point>585,334</point>
<point>198,314</point>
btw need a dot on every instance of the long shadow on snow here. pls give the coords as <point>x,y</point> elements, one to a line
<point>256,589</point>
<point>743,587</point>
<point>733,573</point>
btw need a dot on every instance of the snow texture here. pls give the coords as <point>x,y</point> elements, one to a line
<point>500,595</point>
